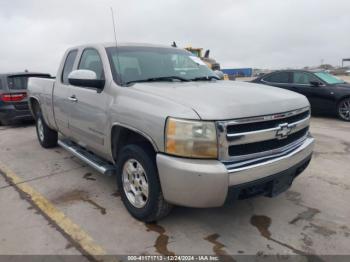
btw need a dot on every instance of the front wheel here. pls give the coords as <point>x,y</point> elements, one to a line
<point>138,183</point>
<point>46,136</point>
<point>344,109</point>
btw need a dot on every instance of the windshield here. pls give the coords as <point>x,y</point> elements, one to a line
<point>329,79</point>
<point>137,64</point>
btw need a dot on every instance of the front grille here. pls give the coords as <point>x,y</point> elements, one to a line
<point>263,136</point>
<point>249,127</point>
<point>22,106</point>
<point>257,147</point>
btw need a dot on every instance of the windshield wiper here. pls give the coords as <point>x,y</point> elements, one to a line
<point>161,78</point>
<point>205,78</point>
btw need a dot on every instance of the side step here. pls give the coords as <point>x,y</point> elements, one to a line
<point>92,160</point>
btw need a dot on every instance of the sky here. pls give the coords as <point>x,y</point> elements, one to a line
<point>272,34</point>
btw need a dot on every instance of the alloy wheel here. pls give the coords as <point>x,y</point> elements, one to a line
<point>344,109</point>
<point>135,183</point>
<point>40,129</point>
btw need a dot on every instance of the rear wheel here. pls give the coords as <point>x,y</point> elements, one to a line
<point>344,109</point>
<point>138,182</point>
<point>46,136</point>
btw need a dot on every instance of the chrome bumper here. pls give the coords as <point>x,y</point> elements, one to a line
<point>205,183</point>
<point>256,171</point>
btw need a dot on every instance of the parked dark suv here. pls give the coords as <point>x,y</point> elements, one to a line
<point>13,96</point>
<point>326,93</point>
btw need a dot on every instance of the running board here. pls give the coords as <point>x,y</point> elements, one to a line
<point>92,160</point>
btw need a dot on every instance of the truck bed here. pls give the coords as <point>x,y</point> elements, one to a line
<point>42,89</point>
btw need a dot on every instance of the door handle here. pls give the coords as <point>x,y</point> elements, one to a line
<point>73,98</point>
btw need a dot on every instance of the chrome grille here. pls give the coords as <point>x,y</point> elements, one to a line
<point>266,145</point>
<point>263,137</point>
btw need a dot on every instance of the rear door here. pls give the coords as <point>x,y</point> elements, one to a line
<point>61,103</point>
<point>279,79</point>
<point>88,117</point>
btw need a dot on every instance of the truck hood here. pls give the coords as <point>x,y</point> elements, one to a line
<point>220,100</point>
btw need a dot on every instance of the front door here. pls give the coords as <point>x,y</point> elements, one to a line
<point>318,96</point>
<point>88,117</point>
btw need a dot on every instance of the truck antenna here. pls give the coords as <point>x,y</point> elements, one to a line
<point>116,48</point>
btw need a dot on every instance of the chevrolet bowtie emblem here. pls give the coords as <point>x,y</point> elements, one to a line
<point>284,130</point>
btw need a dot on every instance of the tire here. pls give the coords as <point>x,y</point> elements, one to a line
<point>149,208</point>
<point>343,109</point>
<point>46,136</point>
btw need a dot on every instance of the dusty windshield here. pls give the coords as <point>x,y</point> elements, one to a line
<point>138,64</point>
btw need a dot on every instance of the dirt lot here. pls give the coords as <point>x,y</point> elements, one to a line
<point>312,217</point>
<point>346,78</point>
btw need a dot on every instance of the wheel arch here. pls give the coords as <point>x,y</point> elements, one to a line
<point>342,98</point>
<point>122,135</point>
<point>34,105</point>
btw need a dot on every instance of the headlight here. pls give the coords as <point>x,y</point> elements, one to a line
<point>195,139</point>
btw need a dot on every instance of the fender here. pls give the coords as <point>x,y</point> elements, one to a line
<point>143,134</point>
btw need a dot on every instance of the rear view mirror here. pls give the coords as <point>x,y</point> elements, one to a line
<point>85,78</point>
<point>315,83</point>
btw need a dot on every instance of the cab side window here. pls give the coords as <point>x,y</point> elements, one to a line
<point>302,78</point>
<point>68,66</point>
<point>91,60</point>
<point>0,83</point>
<point>281,78</point>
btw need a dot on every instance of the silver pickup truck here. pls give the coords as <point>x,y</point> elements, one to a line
<point>169,129</point>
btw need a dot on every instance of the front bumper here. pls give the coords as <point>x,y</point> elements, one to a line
<point>210,183</point>
<point>8,113</point>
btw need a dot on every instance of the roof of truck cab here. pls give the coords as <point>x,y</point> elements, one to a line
<point>113,44</point>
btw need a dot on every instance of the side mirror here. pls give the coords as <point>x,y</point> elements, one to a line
<point>315,83</point>
<point>220,74</point>
<point>85,78</point>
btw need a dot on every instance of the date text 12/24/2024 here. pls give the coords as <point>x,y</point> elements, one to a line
<point>174,258</point>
